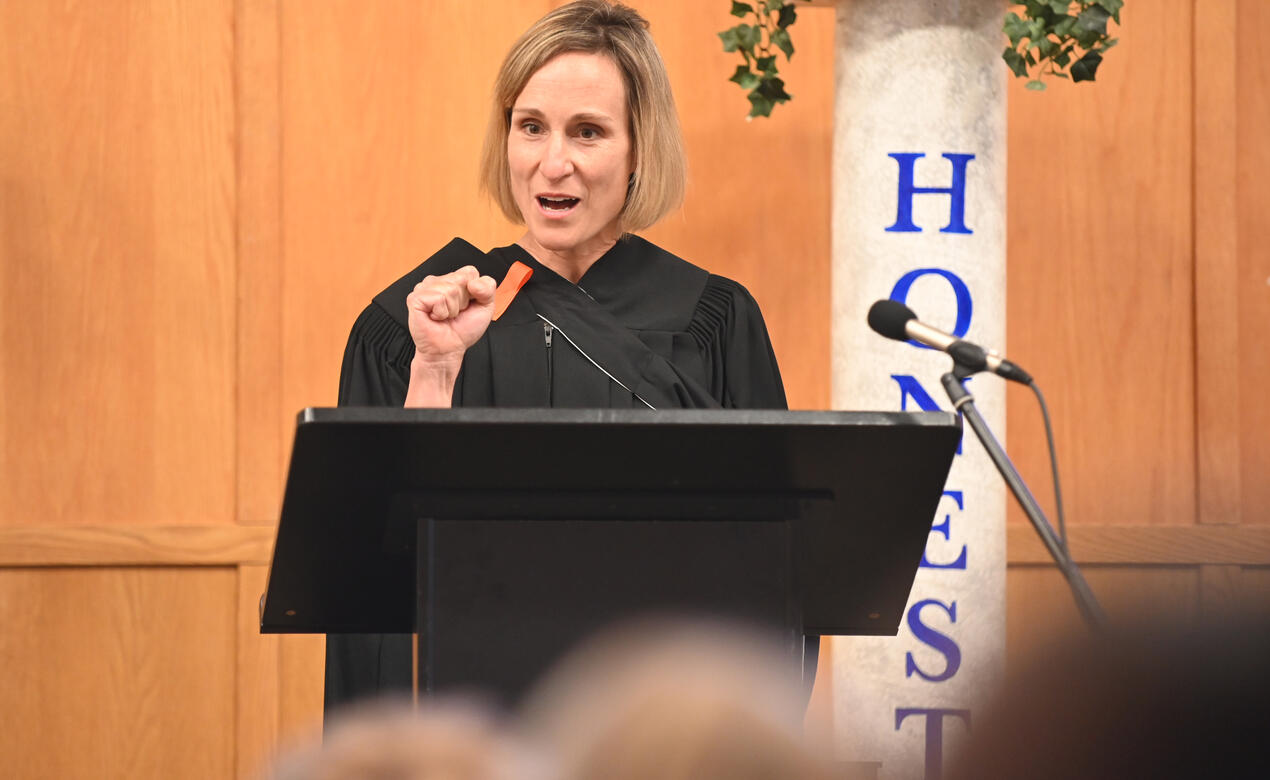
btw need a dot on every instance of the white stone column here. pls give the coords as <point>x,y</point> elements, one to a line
<point>920,104</point>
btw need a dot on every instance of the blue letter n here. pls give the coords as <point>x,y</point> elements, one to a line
<point>908,188</point>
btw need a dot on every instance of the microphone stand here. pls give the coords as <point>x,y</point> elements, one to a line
<point>964,403</point>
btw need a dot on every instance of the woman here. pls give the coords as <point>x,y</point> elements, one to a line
<point>583,147</point>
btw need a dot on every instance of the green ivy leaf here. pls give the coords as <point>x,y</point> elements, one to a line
<point>1113,7</point>
<point>1064,26</point>
<point>773,89</point>
<point>787,16</point>
<point>1015,28</point>
<point>1086,67</point>
<point>1015,61</point>
<point>774,5</point>
<point>1059,6</point>
<point>730,39</point>
<point>1087,39</point>
<point>749,35</point>
<point>759,105</point>
<point>745,77</point>
<point>780,39</point>
<point>1093,19</point>
<point>1036,85</point>
<point>766,64</point>
<point>741,9</point>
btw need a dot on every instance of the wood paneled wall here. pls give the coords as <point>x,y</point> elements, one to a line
<point>1100,278</point>
<point>118,284</point>
<point>1147,328</point>
<point>197,198</point>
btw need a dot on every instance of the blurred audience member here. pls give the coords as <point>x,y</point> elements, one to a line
<point>1144,703</point>
<point>675,701</point>
<point>394,741</point>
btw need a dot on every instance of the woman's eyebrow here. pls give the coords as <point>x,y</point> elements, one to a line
<point>585,116</point>
<point>592,117</point>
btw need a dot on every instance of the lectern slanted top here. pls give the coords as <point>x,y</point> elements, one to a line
<point>504,535</point>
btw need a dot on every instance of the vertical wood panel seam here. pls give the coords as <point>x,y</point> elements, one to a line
<point>275,299</point>
<point>238,263</point>
<point>1196,275</point>
<point>1215,251</point>
<point>257,670</point>
<point>258,449</point>
<point>237,58</point>
<point>258,446</point>
<point>239,675</point>
<point>279,146</point>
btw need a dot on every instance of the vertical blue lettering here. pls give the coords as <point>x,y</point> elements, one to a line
<point>945,528</point>
<point>928,636</point>
<point>908,188</point>
<point>934,735</point>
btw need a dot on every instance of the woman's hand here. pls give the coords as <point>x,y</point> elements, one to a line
<point>447,315</point>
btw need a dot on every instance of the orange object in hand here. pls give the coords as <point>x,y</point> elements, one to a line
<point>516,277</point>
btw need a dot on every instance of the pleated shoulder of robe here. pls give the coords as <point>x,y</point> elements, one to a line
<point>642,328</point>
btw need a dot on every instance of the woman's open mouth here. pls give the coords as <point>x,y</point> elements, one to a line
<point>557,204</point>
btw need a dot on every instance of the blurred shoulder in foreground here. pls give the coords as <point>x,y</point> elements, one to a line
<point>1150,701</point>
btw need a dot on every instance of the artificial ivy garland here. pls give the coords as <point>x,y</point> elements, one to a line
<point>1059,38</point>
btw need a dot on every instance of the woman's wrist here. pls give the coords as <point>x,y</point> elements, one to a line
<point>432,381</point>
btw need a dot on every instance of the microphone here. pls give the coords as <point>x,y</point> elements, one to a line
<point>896,321</point>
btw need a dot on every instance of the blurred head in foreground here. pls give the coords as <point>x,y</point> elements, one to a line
<point>1146,703</point>
<point>394,741</point>
<point>673,700</point>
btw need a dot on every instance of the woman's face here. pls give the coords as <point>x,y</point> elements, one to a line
<point>570,153</point>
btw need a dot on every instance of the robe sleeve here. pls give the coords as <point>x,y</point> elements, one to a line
<point>375,372</point>
<point>376,368</point>
<point>730,331</point>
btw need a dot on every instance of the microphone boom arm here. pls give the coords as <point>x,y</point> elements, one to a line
<point>964,402</point>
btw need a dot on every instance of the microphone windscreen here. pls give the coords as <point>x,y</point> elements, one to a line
<point>889,317</point>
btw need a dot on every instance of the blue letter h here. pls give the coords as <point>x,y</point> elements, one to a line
<point>907,189</point>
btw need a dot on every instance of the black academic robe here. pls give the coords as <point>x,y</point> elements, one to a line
<point>641,328</point>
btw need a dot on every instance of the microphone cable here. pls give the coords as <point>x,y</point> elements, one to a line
<point>1058,491</point>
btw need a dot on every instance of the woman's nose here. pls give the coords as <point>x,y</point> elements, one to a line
<point>557,162</point>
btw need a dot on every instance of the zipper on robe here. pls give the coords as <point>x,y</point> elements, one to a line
<point>547,330</point>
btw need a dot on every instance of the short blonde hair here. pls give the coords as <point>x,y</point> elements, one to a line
<point>620,33</point>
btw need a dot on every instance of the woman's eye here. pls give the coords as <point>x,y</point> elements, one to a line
<point>532,128</point>
<point>589,133</point>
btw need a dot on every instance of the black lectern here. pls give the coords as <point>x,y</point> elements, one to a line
<point>502,536</point>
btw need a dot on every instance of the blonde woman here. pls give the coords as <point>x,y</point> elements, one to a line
<point>584,149</point>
